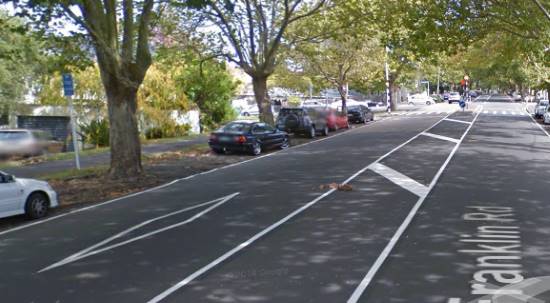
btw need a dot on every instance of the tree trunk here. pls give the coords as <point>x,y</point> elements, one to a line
<point>343,90</point>
<point>259,84</point>
<point>124,134</point>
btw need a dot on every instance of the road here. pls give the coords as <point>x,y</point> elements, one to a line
<point>48,167</point>
<point>444,208</point>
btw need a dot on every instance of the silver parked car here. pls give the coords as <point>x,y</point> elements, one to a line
<point>27,143</point>
<point>540,108</point>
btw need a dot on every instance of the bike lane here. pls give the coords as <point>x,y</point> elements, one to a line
<point>485,226</point>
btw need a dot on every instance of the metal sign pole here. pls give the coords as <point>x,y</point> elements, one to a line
<point>68,88</point>
<point>73,128</point>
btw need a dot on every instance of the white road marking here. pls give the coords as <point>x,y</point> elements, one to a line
<point>504,112</point>
<point>454,300</point>
<point>514,113</point>
<point>458,121</point>
<point>391,244</point>
<point>445,138</point>
<point>494,112</point>
<point>400,179</point>
<point>38,222</point>
<point>486,112</point>
<point>90,251</point>
<point>262,233</point>
<point>540,126</point>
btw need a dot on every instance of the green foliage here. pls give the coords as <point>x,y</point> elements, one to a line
<point>294,101</point>
<point>19,55</point>
<point>167,130</point>
<point>96,133</point>
<point>210,86</point>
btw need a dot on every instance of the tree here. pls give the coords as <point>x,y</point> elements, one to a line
<point>210,86</point>
<point>119,32</point>
<point>340,53</point>
<point>19,54</point>
<point>255,30</point>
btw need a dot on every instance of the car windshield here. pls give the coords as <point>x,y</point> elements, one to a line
<point>13,135</point>
<point>236,127</point>
<point>354,107</point>
<point>543,103</point>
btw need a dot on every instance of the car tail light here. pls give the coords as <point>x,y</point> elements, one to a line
<point>240,139</point>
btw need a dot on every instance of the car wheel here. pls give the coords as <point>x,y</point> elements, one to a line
<point>335,127</point>
<point>372,117</point>
<point>347,125</point>
<point>246,114</point>
<point>325,131</point>
<point>256,149</point>
<point>285,144</point>
<point>37,206</point>
<point>365,120</point>
<point>410,103</point>
<point>428,103</point>
<point>312,132</point>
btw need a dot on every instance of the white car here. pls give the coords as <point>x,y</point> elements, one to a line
<point>420,99</point>
<point>454,97</point>
<point>540,108</point>
<point>251,110</point>
<point>25,196</point>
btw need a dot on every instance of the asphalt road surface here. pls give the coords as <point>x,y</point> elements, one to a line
<point>444,208</point>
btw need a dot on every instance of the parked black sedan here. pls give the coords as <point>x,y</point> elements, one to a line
<point>360,114</point>
<point>247,136</point>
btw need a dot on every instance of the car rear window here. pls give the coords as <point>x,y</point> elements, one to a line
<point>236,127</point>
<point>11,135</point>
<point>288,111</point>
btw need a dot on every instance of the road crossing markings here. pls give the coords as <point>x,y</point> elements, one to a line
<point>272,227</point>
<point>458,121</point>
<point>365,282</point>
<point>95,249</point>
<point>400,179</point>
<point>428,134</point>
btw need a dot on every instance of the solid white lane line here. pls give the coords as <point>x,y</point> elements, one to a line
<point>427,134</point>
<point>458,121</point>
<point>454,300</point>
<point>391,244</point>
<point>540,126</point>
<point>486,112</point>
<point>38,222</point>
<point>90,250</point>
<point>272,227</point>
<point>514,113</point>
<point>400,179</point>
<point>494,112</point>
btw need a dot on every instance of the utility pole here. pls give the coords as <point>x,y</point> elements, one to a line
<point>387,67</point>
<point>438,72</point>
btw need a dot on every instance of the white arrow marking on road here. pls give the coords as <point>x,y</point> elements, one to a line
<point>92,249</point>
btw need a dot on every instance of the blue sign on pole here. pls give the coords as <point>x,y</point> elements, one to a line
<point>68,85</point>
